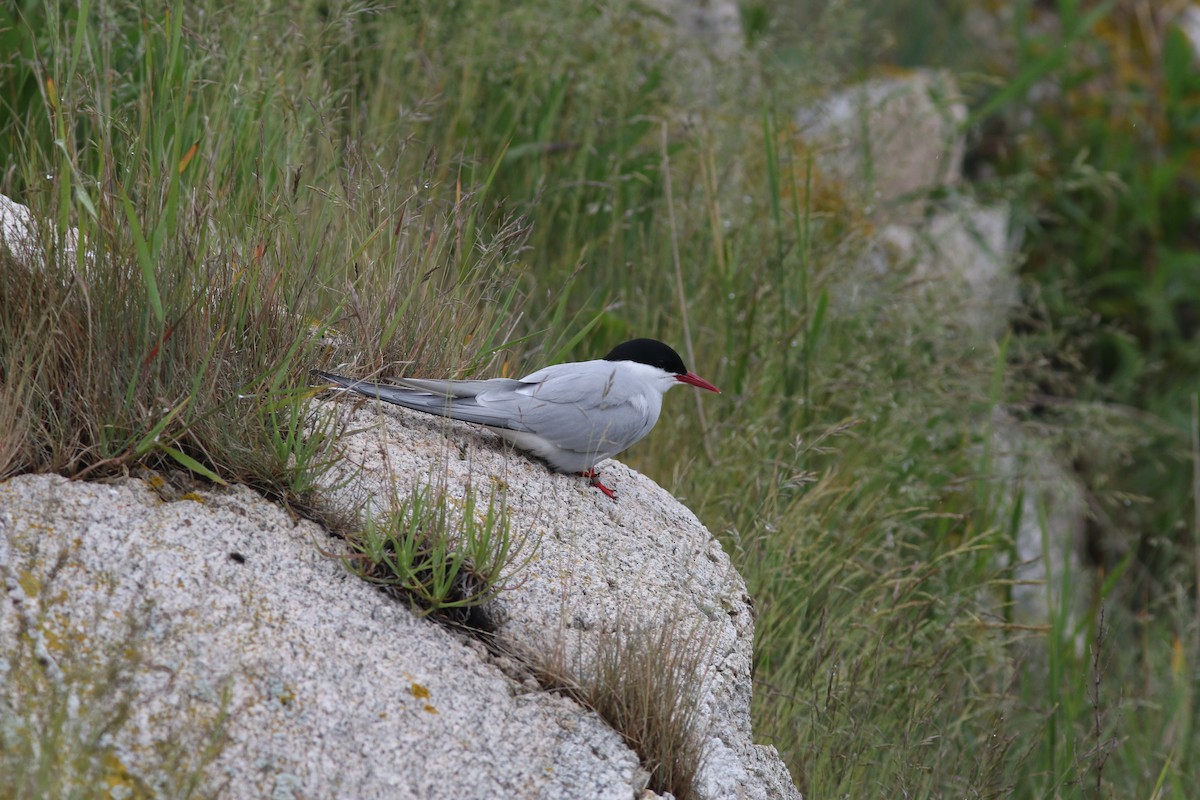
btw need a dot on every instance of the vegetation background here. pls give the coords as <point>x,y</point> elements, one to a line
<point>478,186</point>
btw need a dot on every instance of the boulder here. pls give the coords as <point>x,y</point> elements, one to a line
<point>1050,525</point>
<point>711,26</point>
<point>251,633</point>
<point>962,257</point>
<point>889,141</point>
<point>256,664</point>
<point>597,565</point>
<point>19,233</point>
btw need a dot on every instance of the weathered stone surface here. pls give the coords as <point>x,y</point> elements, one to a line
<point>1050,523</point>
<point>333,689</point>
<point>19,233</point>
<point>890,140</point>
<point>962,256</point>
<point>595,564</point>
<point>714,26</point>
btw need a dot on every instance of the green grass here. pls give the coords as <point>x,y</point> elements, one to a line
<point>235,241</point>
<point>477,188</point>
<point>438,558</point>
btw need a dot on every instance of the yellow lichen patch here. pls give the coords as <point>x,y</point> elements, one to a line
<point>430,709</point>
<point>120,782</point>
<point>419,691</point>
<point>195,497</point>
<point>286,695</point>
<point>29,583</point>
<point>52,641</point>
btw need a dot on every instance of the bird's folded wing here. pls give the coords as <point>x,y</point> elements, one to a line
<point>446,388</point>
<point>583,413</point>
<point>465,408</point>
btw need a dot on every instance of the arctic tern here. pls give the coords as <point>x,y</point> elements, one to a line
<point>572,416</point>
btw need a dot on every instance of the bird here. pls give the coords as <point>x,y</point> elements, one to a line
<point>572,416</point>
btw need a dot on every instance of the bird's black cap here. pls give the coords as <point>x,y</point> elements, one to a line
<point>651,352</point>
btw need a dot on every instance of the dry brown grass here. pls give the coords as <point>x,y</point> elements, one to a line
<point>645,682</point>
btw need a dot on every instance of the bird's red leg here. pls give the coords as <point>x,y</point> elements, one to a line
<point>594,480</point>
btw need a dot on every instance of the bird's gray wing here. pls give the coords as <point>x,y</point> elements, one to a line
<point>447,388</point>
<point>583,411</point>
<point>461,407</point>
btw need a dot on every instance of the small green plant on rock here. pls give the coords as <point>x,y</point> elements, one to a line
<point>437,552</point>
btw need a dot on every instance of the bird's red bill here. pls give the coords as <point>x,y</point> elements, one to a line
<point>696,380</point>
